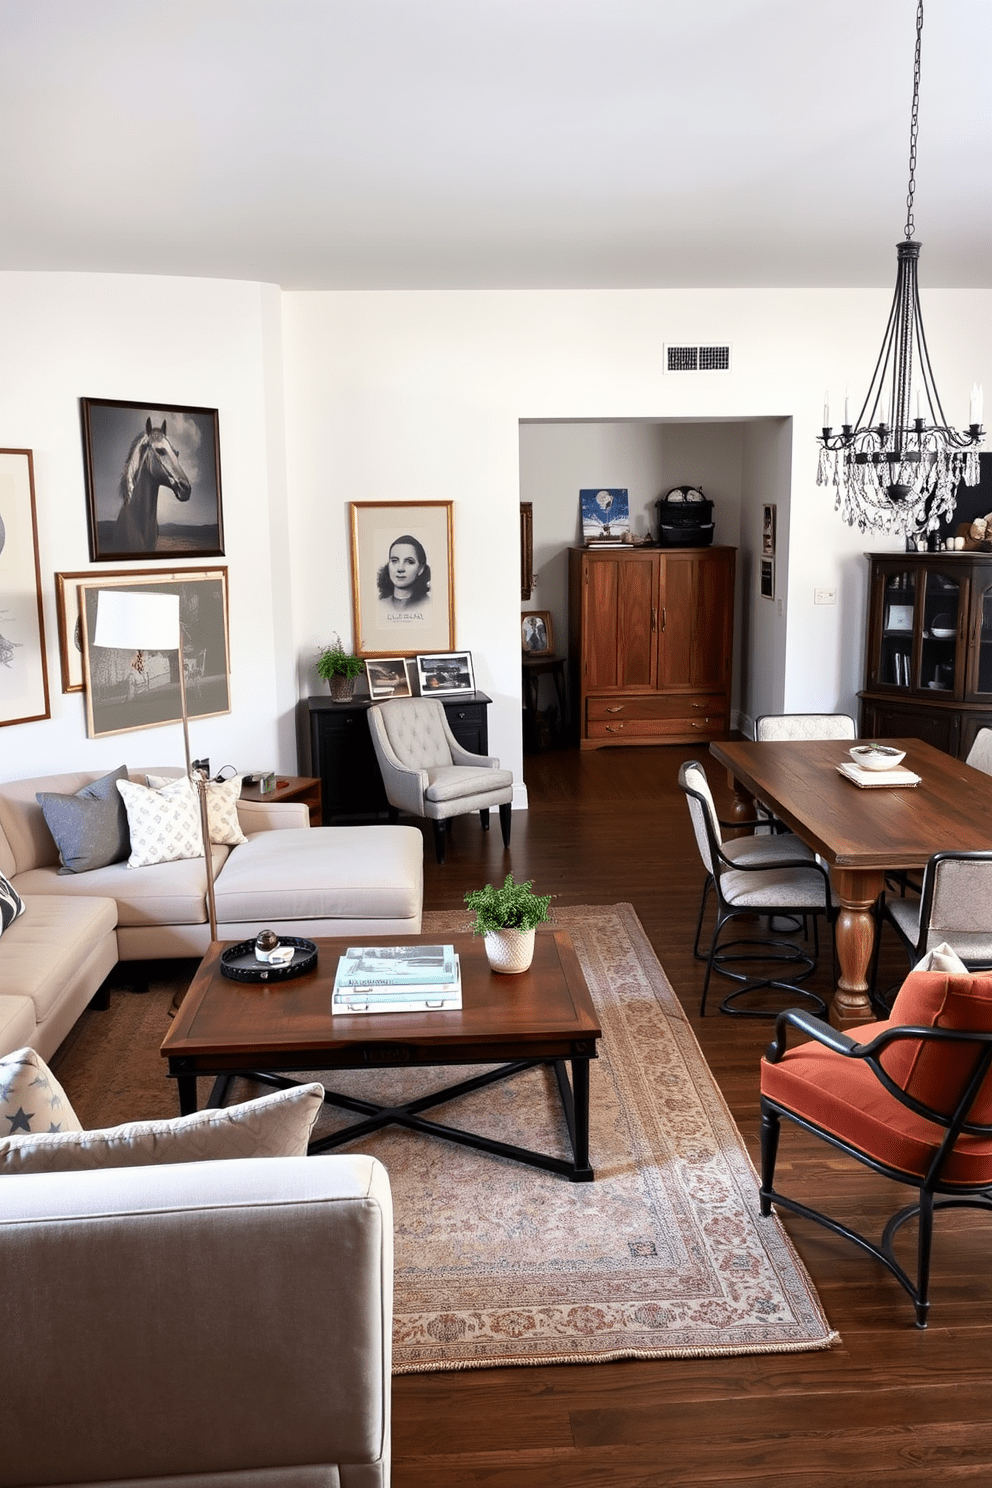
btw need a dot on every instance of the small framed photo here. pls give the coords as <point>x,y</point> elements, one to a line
<point>768,524</point>
<point>387,677</point>
<point>402,576</point>
<point>537,637</point>
<point>899,617</point>
<point>768,578</point>
<point>152,480</point>
<point>450,672</point>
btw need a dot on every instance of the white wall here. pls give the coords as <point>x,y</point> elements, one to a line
<point>410,396</point>
<point>392,396</point>
<point>182,341</point>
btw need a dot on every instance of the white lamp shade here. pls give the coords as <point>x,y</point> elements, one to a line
<point>129,620</point>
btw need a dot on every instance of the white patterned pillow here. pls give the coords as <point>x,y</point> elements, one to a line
<point>276,1125</point>
<point>11,904</point>
<point>32,1101</point>
<point>222,807</point>
<point>164,824</point>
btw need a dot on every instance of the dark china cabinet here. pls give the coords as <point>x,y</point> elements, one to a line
<point>928,667</point>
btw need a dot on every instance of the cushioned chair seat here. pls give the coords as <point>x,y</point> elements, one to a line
<point>454,782</point>
<point>162,894</point>
<point>324,873</point>
<point>784,888</point>
<point>846,1098</point>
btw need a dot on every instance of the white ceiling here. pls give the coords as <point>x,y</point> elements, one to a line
<point>494,143</point>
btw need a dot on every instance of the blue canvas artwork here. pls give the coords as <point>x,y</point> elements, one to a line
<point>605,513</point>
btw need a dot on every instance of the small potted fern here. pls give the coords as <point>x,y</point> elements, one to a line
<point>339,670</point>
<point>508,917</point>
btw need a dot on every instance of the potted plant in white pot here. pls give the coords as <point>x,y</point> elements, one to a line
<point>339,670</point>
<point>508,917</point>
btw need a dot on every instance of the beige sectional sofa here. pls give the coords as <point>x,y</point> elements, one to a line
<point>297,879</point>
<point>223,1323</point>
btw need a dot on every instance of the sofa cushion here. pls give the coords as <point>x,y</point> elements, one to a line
<point>52,939</point>
<point>314,873</point>
<point>11,904</point>
<point>164,894</point>
<point>17,1021</point>
<point>276,1125</point>
<point>222,807</point>
<point>90,827</point>
<point>32,1101</point>
<point>164,824</point>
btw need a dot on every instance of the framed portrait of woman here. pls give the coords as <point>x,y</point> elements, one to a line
<point>402,577</point>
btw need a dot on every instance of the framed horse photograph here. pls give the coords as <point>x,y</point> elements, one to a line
<point>152,480</point>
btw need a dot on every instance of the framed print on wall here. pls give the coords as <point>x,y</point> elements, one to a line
<point>67,608</point>
<point>152,480</point>
<point>768,578</point>
<point>449,673</point>
<point>23,666</point>
<point>402,577</point>
<point>768,524</point>
<point>127,690</point>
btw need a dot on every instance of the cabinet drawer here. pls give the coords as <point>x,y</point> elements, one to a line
<point>706,725</point>
<point>655,706</point>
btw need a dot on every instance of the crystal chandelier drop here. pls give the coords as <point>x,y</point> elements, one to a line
<point>894,470</point>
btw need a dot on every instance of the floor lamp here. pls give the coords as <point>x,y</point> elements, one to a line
<point>132,620</point>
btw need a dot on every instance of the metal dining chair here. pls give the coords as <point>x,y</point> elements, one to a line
<point>910,1098</point>
<point>955,906</point>
<point>773,876</point>
<point>797,726</point>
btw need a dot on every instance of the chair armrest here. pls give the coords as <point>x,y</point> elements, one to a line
<point>271,816</point>
<point>815,1028</point>
<point>460,756</point>
<point>119,1284</point>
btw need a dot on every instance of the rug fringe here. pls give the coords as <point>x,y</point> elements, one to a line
<point>613,1357</point>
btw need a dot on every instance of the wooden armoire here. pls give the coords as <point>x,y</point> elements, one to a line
<point>650,644</point>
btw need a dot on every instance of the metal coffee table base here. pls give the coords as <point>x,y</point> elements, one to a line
<point>574,1102</point>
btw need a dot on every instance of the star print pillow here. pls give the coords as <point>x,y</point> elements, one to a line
<point>31,1099</point>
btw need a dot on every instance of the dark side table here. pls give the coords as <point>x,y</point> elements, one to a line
<point>533,669</point>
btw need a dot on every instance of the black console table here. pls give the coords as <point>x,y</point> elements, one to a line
<point>335,745</point>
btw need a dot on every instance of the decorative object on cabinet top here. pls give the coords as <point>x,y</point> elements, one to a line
<point>685,518</point>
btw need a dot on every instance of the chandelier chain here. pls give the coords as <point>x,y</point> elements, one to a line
<point>914,125</point>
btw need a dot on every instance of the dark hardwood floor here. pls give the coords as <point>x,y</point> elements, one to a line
<point>888,1405</point>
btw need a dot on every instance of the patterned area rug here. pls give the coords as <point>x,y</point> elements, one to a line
<point>664,1255</point>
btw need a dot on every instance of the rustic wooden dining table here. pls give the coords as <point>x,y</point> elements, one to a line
<point>861,834</point>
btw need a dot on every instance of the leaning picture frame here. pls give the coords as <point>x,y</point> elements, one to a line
<point>402,575</point>
<point>128,690</point>
<point>387,677</point>
<point>537,636</point>
<point>24,694</point>
<point>67,608</point>
<point>448,672</point>
<point>152,480</point>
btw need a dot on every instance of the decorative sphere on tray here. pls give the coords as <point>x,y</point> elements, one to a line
<point>877,756</point>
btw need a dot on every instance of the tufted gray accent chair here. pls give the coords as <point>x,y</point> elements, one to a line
<point>427,772</point>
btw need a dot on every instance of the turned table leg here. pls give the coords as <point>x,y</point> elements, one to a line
<point>742,810</point>
<point>855,934</point>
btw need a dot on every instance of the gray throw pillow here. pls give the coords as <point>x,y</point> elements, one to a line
<point>90,828</point>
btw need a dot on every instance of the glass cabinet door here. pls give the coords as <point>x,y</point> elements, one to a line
<point>895,659</point>
<point>939,658</point>
<point>980,681</point>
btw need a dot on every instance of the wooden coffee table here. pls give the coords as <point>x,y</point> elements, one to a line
<point>541,1016</point>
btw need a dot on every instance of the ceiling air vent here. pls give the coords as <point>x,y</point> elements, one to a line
<point>697,358</point>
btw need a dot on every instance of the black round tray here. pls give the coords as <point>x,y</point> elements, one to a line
<point>238,961</point>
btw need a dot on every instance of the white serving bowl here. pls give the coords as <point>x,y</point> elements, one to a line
<point>877,756</point>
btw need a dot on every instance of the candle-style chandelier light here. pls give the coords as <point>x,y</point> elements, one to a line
<point>893,470</point>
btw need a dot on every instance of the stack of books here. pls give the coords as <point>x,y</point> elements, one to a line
<point>397,979</point>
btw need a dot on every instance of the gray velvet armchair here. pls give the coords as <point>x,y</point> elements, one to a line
<point>426,772</point>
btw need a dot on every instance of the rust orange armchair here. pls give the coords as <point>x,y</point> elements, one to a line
<point>910,1097</point>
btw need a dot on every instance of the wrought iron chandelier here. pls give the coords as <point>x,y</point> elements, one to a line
<point>895,471</point>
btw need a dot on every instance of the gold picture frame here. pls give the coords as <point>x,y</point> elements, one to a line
<point>412,611</point>
<point>24,694</point>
